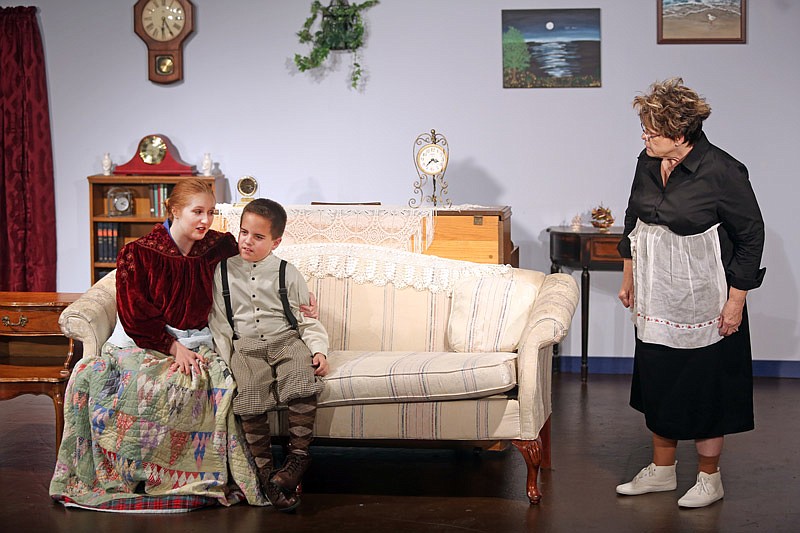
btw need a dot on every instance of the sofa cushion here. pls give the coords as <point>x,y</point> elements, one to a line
<point>488,314</point>
<point>370,377</point>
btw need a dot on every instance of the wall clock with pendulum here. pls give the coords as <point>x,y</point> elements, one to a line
<point>431,155</point>
<point>164,25</point>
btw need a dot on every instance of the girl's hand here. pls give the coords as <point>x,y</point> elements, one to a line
<point>185,359</point>
<point>311,310</point>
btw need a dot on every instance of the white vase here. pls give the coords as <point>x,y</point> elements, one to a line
<point>107,164</point>
<point>206,165</point>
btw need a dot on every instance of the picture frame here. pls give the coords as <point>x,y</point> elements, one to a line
<point>551,48</point>
<point>688,22</point>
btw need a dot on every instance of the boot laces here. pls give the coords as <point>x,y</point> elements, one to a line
<point>294,465</point>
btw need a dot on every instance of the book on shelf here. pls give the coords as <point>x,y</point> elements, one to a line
<point>158,195</point>
<point>107,241</point>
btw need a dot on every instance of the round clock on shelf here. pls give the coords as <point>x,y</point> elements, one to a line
<point>119,202</point>
<point>155,155</point>
<point>247,187</point>
<point>164,25</point>
<point>431,155</point>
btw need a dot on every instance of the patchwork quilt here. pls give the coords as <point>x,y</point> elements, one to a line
<point>140,437</point>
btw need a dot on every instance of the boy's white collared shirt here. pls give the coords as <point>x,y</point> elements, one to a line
<point>256,304</point>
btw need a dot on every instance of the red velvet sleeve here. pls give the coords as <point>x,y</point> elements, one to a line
<point>143,321</point>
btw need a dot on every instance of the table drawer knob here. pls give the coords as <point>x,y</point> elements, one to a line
<point>22,321</point>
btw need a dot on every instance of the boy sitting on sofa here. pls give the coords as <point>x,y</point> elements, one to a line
<point>274,352</point>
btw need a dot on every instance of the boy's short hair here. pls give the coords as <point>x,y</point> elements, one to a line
<point>271,210</point>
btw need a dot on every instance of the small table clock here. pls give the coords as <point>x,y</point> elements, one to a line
<point>119,202</point>
<point>247,187</point>
<point>431,155</point>
<point>155,155</point>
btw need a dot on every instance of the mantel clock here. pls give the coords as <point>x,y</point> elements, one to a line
<point>431,155</point>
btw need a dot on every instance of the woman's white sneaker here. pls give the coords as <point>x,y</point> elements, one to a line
<point>651,478</point>
<point>706,491</point>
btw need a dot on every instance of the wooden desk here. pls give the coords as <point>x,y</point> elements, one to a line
<point>35,357</point>
<point>586,248</point>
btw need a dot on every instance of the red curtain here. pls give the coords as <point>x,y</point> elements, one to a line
<point>27,196</point>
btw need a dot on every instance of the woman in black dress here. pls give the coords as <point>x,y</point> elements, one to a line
<point>692,249</point>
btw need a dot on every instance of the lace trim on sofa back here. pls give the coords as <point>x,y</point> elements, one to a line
<point>378,265</point>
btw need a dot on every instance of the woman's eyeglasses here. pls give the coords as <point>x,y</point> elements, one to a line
<point>647,135</point>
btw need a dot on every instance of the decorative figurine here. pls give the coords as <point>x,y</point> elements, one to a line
<point>577,222</point>
<point>107,164</point>
<point>602,218</point>
<point>206,165</point>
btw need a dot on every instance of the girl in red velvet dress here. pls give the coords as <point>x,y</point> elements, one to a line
<point>148,424</point>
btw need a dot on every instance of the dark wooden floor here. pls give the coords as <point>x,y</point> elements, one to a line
<point>598,442</point>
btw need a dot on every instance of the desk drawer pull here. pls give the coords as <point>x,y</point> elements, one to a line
<point>22,321</point>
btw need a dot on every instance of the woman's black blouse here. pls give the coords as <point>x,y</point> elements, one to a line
<point>707,187</point>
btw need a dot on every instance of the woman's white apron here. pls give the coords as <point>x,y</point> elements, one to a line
<point>679,286</point>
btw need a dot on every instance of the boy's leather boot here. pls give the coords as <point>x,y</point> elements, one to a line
<point>257,435</point>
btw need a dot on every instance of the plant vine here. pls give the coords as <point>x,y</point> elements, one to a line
<point>341,28</point>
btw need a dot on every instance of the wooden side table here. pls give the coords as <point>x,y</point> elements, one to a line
<point>587,248</point>
<point>35,357</point>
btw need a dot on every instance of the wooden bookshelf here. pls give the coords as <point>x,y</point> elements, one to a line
<point>128,227</point>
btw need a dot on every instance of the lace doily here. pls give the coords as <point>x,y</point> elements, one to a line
<point>365,263</point>
<point>400,228</point>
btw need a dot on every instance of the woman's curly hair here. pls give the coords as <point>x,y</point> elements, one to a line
<point>671,109</point>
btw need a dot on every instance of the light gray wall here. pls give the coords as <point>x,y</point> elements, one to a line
<point>548,153</point>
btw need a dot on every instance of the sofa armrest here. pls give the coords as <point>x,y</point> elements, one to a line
<point>92,317</point>
<point>548,324</point>
<point>552,311</point>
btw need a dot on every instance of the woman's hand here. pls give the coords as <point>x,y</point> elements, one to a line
<point>185,359</point>
<point>320,364</point>
<point>731,316</point>
<point>311,310</point>
<point>626,290</point>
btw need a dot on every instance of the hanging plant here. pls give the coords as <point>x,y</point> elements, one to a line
<point>341,28</point>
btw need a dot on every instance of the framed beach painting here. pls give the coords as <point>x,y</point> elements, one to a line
<point>707,22</point>
<point>551,48</point>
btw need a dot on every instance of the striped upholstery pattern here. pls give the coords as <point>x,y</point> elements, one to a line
<point>369,317</point>
<point>370,377</point>
<point>489,313</point>
<point>492,418</point>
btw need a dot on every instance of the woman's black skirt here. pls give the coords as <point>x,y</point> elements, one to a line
<point>695,393</point>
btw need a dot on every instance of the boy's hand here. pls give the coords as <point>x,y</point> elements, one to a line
<point>320,364</point>
<point>311,310</point>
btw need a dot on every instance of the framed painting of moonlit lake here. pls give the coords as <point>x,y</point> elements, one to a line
<point>707,22</point>
<point>551,48</point>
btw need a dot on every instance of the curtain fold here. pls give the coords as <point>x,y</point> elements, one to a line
<point>27,193</point>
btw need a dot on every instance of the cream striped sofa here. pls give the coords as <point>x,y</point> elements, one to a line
<point>403,367</point>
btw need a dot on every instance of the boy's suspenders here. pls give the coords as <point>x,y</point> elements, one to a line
<point>226,294</point>
<point>284,294</point>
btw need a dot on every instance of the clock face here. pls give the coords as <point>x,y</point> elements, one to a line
<point>432,159</point>
<point>122,203</point>
<point>152,149</point>
<point>163,20</point>
<point>247,186</point>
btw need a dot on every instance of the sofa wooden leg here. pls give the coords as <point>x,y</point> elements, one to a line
<point>544,435</point>
<point>531,451</point>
